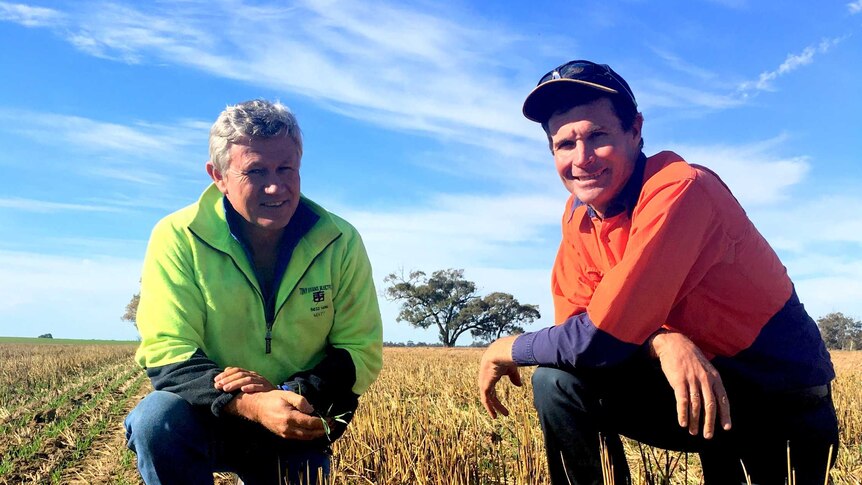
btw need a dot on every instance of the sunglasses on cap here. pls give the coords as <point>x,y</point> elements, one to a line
<point>599,76</point>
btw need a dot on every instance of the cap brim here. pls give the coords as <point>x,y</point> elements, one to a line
<point>545,98</point>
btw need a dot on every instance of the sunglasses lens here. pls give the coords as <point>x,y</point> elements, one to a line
<point>588,71</point>
<point>576,69</point>
<point>569,70</point>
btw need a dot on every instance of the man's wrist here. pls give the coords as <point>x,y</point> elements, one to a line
<point>243,405</point>
<point>654,347</point>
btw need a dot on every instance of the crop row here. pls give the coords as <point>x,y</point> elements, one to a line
<point>97,428</point>
<point>35,452</point>
<point>28,371</point>
<point>40,406</point>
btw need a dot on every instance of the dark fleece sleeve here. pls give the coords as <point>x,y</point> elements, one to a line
<point>193,381</point>
<point>328,386</point>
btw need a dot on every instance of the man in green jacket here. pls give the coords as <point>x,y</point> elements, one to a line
<point>258,317</point>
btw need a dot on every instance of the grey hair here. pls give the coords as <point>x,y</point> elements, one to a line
<point>247,120</point>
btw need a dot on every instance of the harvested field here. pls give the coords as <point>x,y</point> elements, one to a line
<point>62,406</point>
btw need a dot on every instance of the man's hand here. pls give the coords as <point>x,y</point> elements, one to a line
<point>236,378</point>
<point>496,363</point>
<point>695,382</point>
<point>285,413</point>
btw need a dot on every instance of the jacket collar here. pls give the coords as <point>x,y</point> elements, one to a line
<point>211,225</point>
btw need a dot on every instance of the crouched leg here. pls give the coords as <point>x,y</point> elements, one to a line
<point>571,418</point>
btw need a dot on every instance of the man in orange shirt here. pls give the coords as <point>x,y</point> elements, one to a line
<point>672,311</point>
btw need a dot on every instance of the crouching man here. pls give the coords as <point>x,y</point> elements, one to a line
<point>677,325</point>
<point>258,317</point>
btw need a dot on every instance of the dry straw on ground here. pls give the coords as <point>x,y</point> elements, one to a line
<point>61,411</point>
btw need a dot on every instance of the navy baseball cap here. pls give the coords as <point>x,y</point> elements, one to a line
<point>569,80</point>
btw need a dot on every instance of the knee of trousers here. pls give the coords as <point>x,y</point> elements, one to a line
<point>556,388</point>
<point>159,419</point>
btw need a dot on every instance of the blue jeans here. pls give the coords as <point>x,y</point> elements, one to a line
<point>576,406</point>
<point>177,443</point>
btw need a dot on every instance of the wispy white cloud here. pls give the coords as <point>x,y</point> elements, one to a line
<point>30,16</point>
<point>659,94</point>
<point>127,175</point>
<point>143,139</point>
<point>123,33</point>
<point>45,206</point>
<point>855,7</point>
<point>137,153</point>
<point>370,61</point>
<point>754,173</point>
<point>790,64</point>
<point>679,64</point>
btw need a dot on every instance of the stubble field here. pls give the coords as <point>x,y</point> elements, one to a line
<point>62,406</point>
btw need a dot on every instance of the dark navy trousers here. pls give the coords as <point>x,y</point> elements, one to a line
<point>576,406</point>
<point>177,443</point>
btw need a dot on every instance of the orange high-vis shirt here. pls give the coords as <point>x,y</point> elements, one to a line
<point>677,252</point>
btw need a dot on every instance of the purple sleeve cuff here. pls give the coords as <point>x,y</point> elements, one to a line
<point>577,342</point>
<point>522,349</point>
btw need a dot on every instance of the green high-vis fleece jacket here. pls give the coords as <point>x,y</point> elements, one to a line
<point>202,308</point>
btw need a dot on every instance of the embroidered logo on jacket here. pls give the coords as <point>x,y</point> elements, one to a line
<point>318,296</point>
<point>314,289</point>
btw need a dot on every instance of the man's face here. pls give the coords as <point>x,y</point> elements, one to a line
<point>261,183</point>
<point>592,153</point>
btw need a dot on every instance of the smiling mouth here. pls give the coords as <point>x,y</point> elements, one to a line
<point>591,176</point>
<point>273,204</point>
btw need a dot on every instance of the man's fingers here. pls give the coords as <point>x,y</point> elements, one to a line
<point>489,408</point>
<point>709,413</point>
<point>515,377</point>
<point>488,378</point>
<point>237,377</point>
<point>498,406</point>
<point>230,384</point>
<point>723,409</point>
<point>695,403</point>
<point>303,421</point>
<point>298,402</point>
<point>485,396</point>
<point>304,427</point>
<point>229,372</point>
<point>492,403</point>
<point>681,395</point>
<point>250,388</point>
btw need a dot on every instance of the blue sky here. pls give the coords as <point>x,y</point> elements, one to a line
<point>413,132</point>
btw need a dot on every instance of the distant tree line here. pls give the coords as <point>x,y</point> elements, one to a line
<point>410,343</point>
<point>840,332</point>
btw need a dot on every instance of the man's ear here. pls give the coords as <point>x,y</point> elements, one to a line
<point>217,176</point>
<point>637,127</point>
